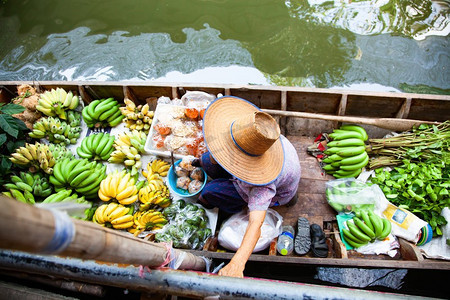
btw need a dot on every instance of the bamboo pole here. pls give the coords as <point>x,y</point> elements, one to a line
<point>31,229</point>
<point>386,123</point>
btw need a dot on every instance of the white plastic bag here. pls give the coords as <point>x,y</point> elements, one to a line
<point>232,231</point>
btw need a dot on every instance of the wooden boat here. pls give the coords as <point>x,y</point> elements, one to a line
<point>324,109</point>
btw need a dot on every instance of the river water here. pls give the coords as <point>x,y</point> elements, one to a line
<point>391,45</point>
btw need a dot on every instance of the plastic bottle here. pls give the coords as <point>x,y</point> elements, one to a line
<point>285,244</point>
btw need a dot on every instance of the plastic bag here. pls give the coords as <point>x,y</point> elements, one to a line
<point>351,195</point>
<point>233,230</point>
<point>188,226</point>
<point>404,223</point>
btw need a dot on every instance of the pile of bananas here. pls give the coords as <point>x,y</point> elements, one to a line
<point>36,157</point>
<point>27,186</point>
<point>60,151</point>
<point>154,193</point>
<point>156,166</point>
<point>120,186</point>
<point>346,154</point>
<point>56,102</point>
<point>97,146</point>
<point>149,220</point>
<point>78,174</point>
<point>102,113</point>
<point>371,227</point>
<point>128,149</point>
<point>119,216</point>
<point>137,117</point>
<point>58,131</point>
<point>62,195</point>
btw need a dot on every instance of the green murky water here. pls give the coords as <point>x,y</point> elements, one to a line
<point>369,45</point>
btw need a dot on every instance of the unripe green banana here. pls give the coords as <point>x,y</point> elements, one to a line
<point>346,143</point>
<point>357,166</point>
<point>360,224</point>
<point>354,159</point>
<point>357,232</point>
<point>356,128</point>
<point>387,227</point>
<point>337,136</point>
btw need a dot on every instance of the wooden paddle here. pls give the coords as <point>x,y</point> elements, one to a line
<point>386,123</point>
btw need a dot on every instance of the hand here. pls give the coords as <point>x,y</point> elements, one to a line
<point>232,270</point>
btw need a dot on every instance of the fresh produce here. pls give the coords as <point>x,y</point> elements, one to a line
<point>12,136</point>
<point>346,154</point>
<point>31,186</point>
<point>97,146</point>
<point>58,131</point>
<point>102,113</point>
<point>426,143</point>
<point>119,186</point>
<point>36,157</point>
<point>137,117</point>
<point>60,151</point>
<point>128,150</point>
<point>82,176</point>
<point>115,215</point>
<point>56,102</point>
<point>368,228</point>
<point>28,98</point>
<point>421,188</point>
<point>154,193</point>
<point>350,195</point>
<point>156,166</point>
<point>148,220</point>
<point>62,195</point>
<point>188,227</point>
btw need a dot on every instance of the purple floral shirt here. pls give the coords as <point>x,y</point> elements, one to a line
<point>281,190</point>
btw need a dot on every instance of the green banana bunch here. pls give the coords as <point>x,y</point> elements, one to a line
<point>58,131</point>
<point>60,151</point>
<point>61,196</point>
<point>366,228</point>
<point>30,186</point>
<point>97,146</point>
<point>137,117</point>
<point>56,102</point>
<point>37,156</point>
<point>128,150</point>
<point>80,175</point>
<point>346,154</point>
<point>102,113</point>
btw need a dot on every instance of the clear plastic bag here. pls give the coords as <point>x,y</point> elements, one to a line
<point>188,226</point>
<point>232,231</point>
<point>351,195</point>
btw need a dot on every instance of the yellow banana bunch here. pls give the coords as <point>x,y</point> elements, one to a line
<point>36,156</point>
<point>137,117</point>
<point>56,102</point>
<point>149,196</point>
<point>119,186</point>
<point>156,166</point>
<point>117,215</point>
<point>128,149</point>
<point>149,220</point>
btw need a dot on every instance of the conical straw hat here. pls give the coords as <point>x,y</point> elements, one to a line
<point>244,140</point>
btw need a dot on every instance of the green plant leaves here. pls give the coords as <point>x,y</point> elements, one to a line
<point>12,109</point>
<point>9,126</point>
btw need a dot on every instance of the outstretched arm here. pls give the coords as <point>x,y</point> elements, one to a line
<point>235,268</point>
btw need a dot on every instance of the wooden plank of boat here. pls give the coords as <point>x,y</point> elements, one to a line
<point>301,132</point>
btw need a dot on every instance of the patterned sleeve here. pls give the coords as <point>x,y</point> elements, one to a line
<point>260,197</point>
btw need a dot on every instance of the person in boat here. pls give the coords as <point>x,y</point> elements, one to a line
<point>252,165</point>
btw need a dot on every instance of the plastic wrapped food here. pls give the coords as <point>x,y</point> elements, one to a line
<point>162,129</point>
<point>197,174</point>
<point>158,140</point>
<point>183,182</point>
<point>180,172</point>
<point>186,163</point>
<point>201,148</point>
<point>188,227</point>
<point>194,186</point>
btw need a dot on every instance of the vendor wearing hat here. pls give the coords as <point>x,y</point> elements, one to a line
<point>251,165</point>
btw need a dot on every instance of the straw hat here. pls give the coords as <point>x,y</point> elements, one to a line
<point>243,140</point>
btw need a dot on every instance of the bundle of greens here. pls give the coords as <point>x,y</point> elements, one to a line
<point>426,143</point>
<point>422,188</point>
